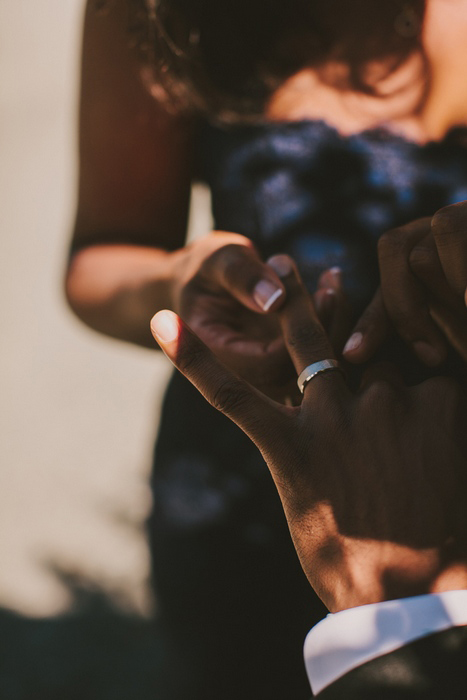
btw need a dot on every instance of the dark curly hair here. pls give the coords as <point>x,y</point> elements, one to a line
<point>226,57</point>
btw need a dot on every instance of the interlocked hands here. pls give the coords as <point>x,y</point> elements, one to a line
<point>373,483</point>
<point>423,292</point>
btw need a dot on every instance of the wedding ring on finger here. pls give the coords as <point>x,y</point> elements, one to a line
<point>316,368</point>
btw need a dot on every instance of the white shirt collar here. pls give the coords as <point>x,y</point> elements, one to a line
<point>350,638</point>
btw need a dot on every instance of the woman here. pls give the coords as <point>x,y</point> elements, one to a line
<point>317,126</point>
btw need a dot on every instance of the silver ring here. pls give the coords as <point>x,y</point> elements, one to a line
<point>316,368</point>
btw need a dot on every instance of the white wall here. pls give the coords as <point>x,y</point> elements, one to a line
<point>77,411</point>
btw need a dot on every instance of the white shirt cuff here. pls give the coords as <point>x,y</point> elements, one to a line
<point>350,638</point>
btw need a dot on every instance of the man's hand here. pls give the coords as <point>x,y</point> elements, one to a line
<point>373,484</point>
<point>423,292</point>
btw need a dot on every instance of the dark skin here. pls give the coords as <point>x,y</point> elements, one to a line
<point>423,292</point>
<point>372,483</point>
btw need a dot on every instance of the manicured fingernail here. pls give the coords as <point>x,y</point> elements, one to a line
<point>331,278</point>
<point>324,301</point>
<point>353,342</point>
<point>427,353</point>
<point>164,325</point>
<point>266,293</point>
<point>281,264</point>
<point>328,302</point>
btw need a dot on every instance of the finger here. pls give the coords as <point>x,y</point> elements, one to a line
<point>240,271</point>
<point>405,297</point>
<point>426,265</point>
<point>334,310</point>
<point>370,332</point>
<point>304,335</point>
<point>447,309</point>
<point>324,299</point>
<point>453,324</point>
<point>253,412</point>
<point>449,228</point>
<point>331,279</point>
<point>328,299</point>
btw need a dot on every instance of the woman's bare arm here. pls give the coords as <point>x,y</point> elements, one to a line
<point>134,186</point>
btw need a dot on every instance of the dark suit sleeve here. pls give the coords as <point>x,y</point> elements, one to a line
<point>431,668</point>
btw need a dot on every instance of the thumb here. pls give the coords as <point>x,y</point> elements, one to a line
<point>257,415</point>
<point>240,271</point>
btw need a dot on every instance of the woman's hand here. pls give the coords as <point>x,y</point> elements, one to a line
<point>423,293</point>
<point>227,294</point>
<point>224,291</point>
<point>373,483</point>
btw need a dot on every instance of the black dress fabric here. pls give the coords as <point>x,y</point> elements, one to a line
<point>431,668</point>
<point>234,604</point>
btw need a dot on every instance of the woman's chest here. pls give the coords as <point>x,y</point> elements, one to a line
<point>421,99</point>
<point>303,188</point>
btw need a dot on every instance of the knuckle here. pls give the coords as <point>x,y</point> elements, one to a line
<point>306,335</point>
<point>444,386</point>
<point>449,216</point>
<point>239,266</point>
<point>190,358</point>
<point>228,255</point>
<point>229,397</point>
<point>385,243</point>
<point>392,243</point>
<point>422,259</point>
<point>234,254</point>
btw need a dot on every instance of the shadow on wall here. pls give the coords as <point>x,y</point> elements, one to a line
<point>95,652</point>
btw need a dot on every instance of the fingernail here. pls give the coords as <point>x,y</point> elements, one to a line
<point>164,325</point>
<point>331,278</point>
<point>353,342</point>
<point>427,353</point>
<point>324,301</point>
<point>281,264</point>
<point>336,271</point>
<point>266,293</point>
<point>328,301</point>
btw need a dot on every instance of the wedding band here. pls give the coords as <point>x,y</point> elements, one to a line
<point>316,368</point>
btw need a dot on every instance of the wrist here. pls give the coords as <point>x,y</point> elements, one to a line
<point>361,573</point>
<point>409,573</point>
<point>162,281</point>
<point>176,266</point>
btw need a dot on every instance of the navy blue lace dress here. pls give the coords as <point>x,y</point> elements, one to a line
<point>234,604</point>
